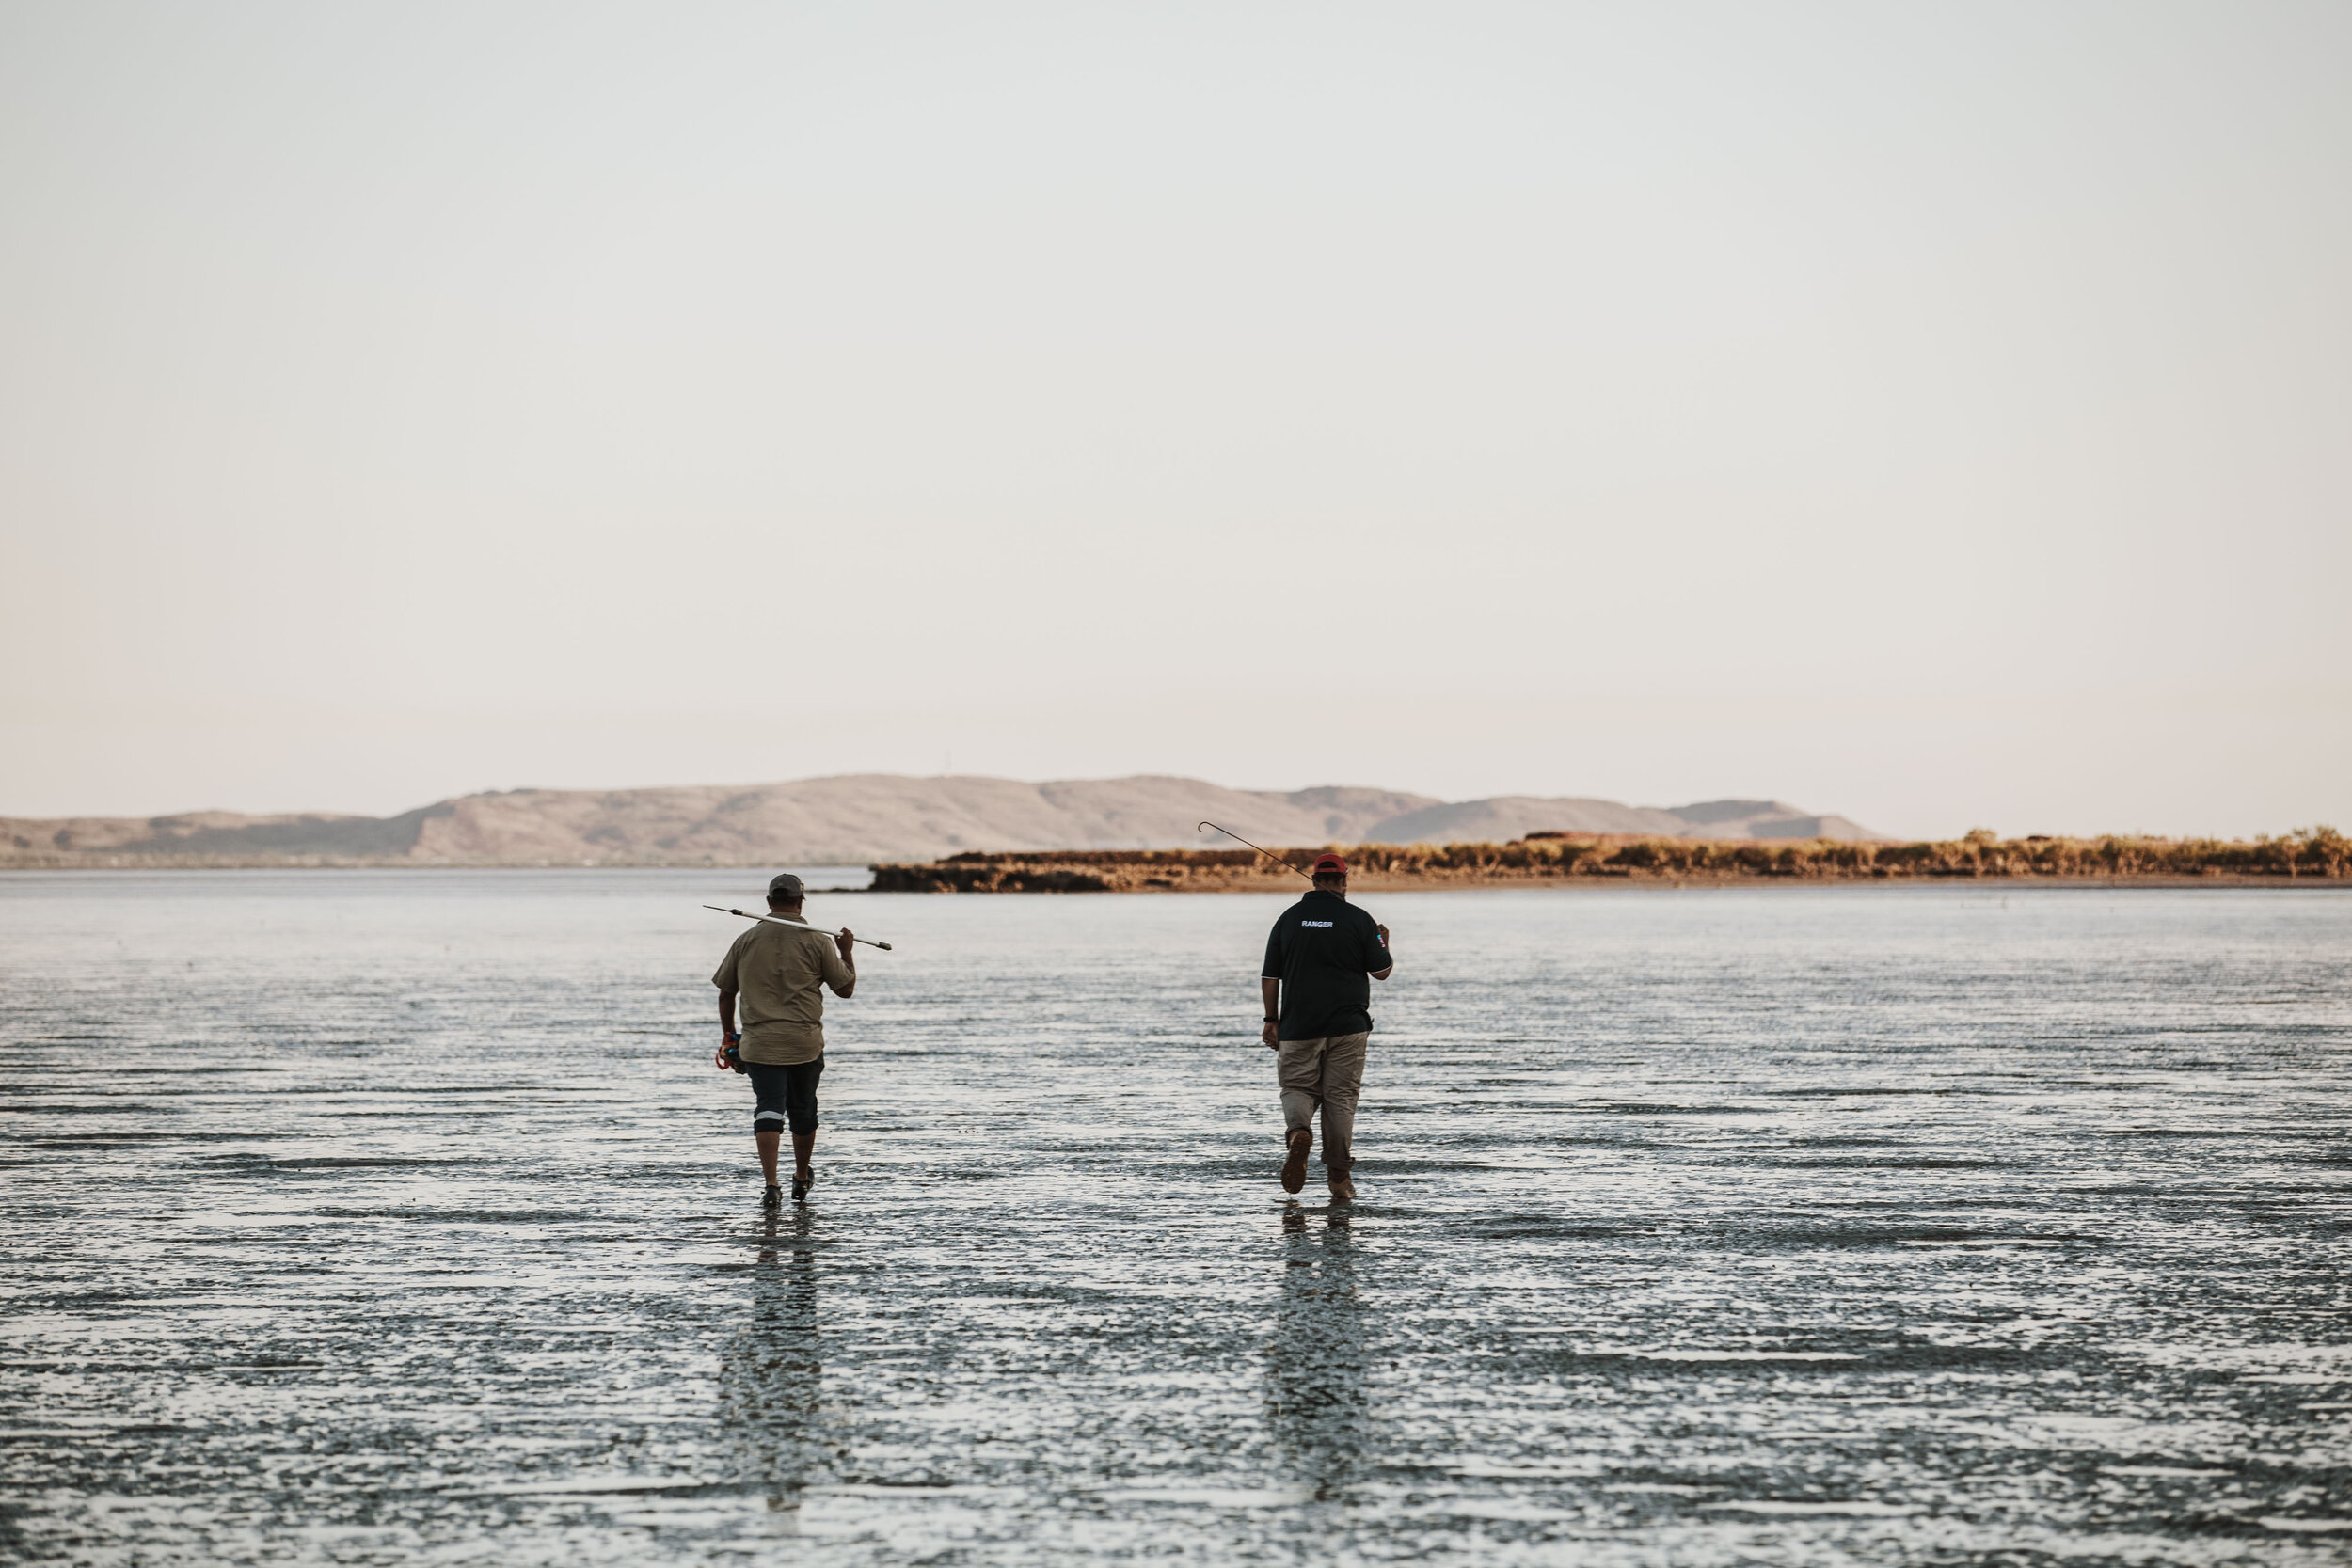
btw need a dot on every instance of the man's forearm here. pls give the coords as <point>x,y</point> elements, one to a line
<point>726,1012</point>
<point>1271,991</point>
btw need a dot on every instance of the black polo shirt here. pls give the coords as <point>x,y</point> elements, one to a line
<point>1323,950</point>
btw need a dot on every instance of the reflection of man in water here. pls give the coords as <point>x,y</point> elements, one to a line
<point>1316,959</point>
<point>1315,1378</point>
<point>772,1385</point>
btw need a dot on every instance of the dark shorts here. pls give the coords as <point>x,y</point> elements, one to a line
<point>787,1096</point>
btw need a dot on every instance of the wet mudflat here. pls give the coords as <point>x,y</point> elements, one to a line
<point>392,1217</point>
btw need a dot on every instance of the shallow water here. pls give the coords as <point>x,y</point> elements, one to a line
<point>399,1217</point>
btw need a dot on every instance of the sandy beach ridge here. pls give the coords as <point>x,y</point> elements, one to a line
<point>858,819</point>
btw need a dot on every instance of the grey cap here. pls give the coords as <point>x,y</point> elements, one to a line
<point>785,886</point>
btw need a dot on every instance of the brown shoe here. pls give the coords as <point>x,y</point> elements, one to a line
<point>1342,1189</point>
<point>1295,1168</point>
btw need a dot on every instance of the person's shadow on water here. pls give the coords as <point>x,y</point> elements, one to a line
<point>771,1387</point>
<point>1315,1394</point>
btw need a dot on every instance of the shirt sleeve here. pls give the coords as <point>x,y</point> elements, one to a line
<point>726,980</point>
<point>837,973</point>
<point>1375,951</point>
<point>1272,968</point>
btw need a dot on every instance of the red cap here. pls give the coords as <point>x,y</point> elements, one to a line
<point>1330,863</point>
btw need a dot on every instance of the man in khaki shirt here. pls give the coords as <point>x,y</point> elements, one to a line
<point>781,974</point>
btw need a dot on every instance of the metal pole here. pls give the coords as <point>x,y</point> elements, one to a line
<point>798,925</point>
<point>1267,853</point>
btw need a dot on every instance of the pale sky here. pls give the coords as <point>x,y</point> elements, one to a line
<point>1936,414</point>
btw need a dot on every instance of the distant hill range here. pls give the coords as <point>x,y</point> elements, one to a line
<point>862,818</point>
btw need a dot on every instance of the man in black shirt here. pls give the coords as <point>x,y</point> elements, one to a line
<point>1316,960</point>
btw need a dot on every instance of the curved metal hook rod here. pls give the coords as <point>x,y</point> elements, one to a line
<point>1267,853</point>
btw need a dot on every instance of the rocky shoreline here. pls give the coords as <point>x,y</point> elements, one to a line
<point>2319,855</point>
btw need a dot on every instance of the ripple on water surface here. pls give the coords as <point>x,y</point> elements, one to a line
<point>400,1217</point>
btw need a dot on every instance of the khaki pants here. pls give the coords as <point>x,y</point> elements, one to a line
<point>1326,1072</point>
